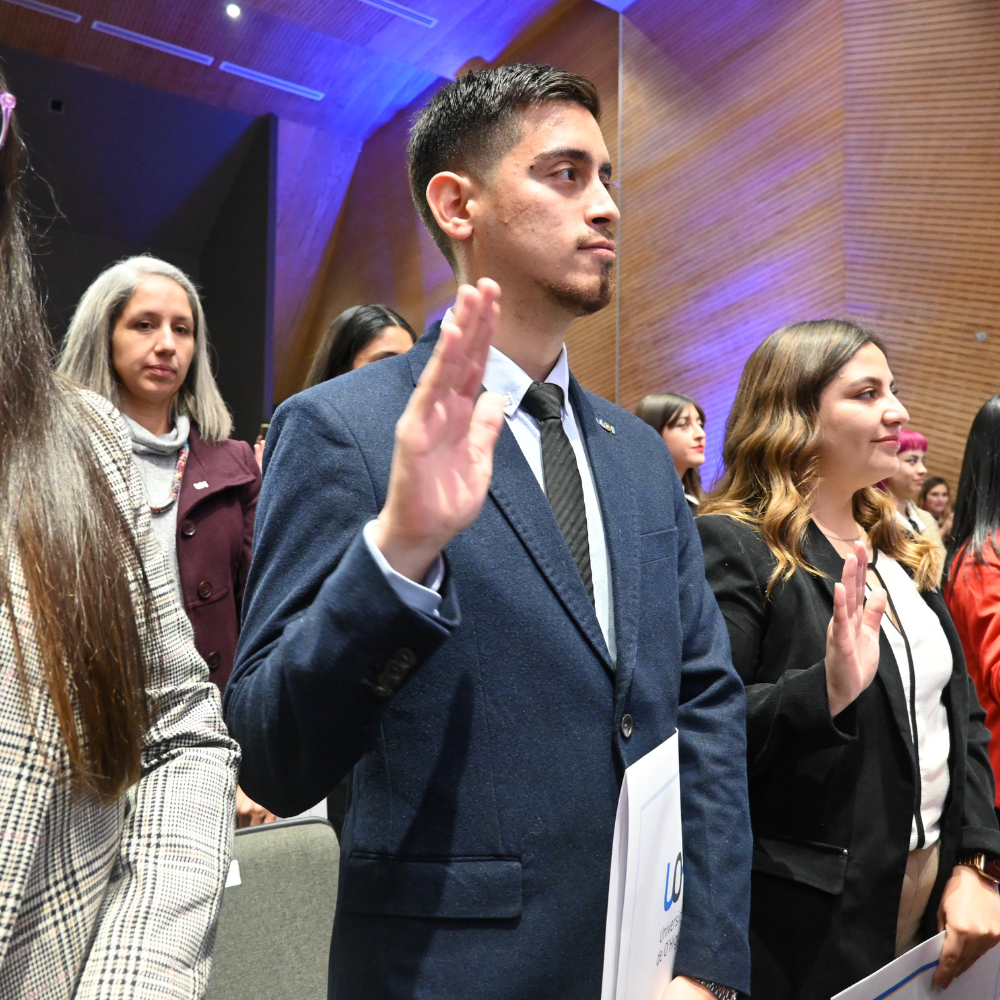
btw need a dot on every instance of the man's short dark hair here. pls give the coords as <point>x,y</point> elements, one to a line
<point>472,123</point>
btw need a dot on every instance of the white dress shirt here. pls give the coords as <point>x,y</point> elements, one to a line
<point>509,382</point>
<point>932,668</point>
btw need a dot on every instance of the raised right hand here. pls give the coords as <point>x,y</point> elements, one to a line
<point>852,637</point>
<point>443,460</point>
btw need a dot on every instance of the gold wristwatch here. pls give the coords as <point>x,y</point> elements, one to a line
<point>987,865</point>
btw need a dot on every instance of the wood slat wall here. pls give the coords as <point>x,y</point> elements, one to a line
<point>373,255</point>
<point>922,203</point>
<point>732,179</point>
<point>781,160</point>
<point>314,171</point>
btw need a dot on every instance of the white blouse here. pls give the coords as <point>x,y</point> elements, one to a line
<point>924,659</point>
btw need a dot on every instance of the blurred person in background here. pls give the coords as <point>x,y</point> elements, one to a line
<point>138,338</point>
<point>117,774</point>
<point>972,589</point>
<point>904,487</point>
<point>680,421</point>
<point>357,337</point>
<point>935,498</point>
<point>871,794</point>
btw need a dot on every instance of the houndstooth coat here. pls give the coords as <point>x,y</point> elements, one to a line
<point>116,900</point>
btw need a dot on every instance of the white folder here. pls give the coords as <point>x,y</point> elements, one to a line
<point>909,977</point>
<point>646,889</point>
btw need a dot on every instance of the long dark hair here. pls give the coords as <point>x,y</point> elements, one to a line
<point>59,523</point>
<point>977,508</point>
<point>347,336</point>
<point>771,450</point>
<point>665,409</point>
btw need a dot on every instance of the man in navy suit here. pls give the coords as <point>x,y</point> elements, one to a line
<point>490,617</point>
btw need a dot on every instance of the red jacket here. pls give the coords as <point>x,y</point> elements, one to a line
<point>215,513</point>
<point>973,596</point>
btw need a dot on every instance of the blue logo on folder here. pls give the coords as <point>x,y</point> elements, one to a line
<point>672,892</point>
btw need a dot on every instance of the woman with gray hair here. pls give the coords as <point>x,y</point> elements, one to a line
<point>138,338</point>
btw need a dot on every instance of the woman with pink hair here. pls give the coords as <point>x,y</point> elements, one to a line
<point>904,487</point>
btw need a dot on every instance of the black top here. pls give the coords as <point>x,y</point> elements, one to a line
<point>832,800</point>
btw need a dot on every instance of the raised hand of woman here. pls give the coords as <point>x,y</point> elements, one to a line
<point>443,459</point>
<point>852,637</point>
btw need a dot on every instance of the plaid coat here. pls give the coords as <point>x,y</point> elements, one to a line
<point>116,900</point>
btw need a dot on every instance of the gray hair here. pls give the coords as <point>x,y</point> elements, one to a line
<point>86,352</point>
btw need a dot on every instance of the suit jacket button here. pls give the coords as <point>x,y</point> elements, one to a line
<point>213,660</point>
<point>627,725</point>
<point>204,590</point>
<point>188,528</point>
<point>406,658</point>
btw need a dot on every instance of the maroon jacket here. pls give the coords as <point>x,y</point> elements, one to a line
<point>215,512</point>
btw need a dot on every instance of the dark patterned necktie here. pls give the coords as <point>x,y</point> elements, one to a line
<point>563,485</point>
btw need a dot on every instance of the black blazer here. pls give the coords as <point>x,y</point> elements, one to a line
<point>832,800</point>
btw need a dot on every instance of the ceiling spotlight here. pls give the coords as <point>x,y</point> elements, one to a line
<point>233,10</point>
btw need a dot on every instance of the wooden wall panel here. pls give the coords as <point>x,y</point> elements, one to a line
<point>732,180</point>
<point>314,171</point>
<point>922,200</point>
<point>380,251</point>
<point>375,253</point>
<point>780,160</point>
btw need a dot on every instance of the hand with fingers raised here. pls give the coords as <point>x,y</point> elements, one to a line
<point>852,637</point>
<point>443,457</point>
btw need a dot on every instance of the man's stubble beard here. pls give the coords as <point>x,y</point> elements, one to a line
<point>581,302</point>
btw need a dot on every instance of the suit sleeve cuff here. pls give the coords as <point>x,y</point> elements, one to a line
<point>793,717</point>
<point>425,597</point>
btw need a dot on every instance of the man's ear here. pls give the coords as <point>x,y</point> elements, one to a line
<point>449,195</point>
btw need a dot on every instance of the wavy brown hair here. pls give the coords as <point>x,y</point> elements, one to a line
<point>771,451</point>
<point>87,595</point>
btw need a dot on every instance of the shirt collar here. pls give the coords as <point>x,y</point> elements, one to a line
<point>508,381</point>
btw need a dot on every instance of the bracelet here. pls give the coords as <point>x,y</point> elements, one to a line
<point>722,992</point>
<point>987,866</point>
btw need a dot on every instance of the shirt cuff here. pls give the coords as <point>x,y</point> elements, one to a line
<point>423,597</point>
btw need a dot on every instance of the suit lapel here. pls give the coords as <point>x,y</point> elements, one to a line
<point>194,472</point>
<point>516,492</point>
<point>520,499</point>
<point>199,482</point>
<point>825,558</point>
<point>421,352</point>
<point>620,517</point>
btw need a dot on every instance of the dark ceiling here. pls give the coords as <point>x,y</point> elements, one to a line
<point>360,60</point>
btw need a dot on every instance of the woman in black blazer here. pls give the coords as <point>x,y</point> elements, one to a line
<point>865,839</point>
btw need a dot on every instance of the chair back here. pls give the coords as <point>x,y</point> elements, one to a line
<point>273,940</point>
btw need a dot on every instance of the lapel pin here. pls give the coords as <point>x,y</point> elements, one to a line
<point>204,486</point>
<point>608,427</point>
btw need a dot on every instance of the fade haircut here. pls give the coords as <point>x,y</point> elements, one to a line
<point>471,124</point>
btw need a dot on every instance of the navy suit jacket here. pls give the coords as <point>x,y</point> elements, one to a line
<point>477,847</point>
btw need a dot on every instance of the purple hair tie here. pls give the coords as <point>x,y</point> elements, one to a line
<point>7,104</point>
